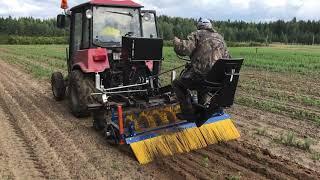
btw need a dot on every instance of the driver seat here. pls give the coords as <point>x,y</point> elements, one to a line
<point>220,85</point>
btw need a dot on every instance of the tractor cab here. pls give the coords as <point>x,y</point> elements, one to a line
<point>105,23</point>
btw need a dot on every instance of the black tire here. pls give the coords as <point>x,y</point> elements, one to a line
<point>80,88</point>
<point>58,86</point>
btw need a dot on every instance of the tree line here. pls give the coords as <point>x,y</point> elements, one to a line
<point>294,31</point>
<point>29,30</point>
<point>29,26</point>
<point>299,32</point>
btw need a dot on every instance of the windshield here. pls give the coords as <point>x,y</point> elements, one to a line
<point>110,24</point>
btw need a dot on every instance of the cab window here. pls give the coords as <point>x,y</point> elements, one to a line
<point>149,25</point>
<point>77,31</point>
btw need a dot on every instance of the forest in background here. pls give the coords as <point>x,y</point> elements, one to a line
<point>28,30</point>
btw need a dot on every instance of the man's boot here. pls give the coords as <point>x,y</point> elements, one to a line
<point>205,116</point>
<point>187,117</point>
<point>187,114</point>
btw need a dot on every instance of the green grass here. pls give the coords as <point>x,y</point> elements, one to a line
<point>262,131</point>
<point>303,61</point>
<point>275,107</point>
<point>290,139</point>
<point>36,70</point>
<point>50,51</point>
<point>39,60</point>
<point>315,156</point>
<point>205,162</point>
<point>280,95</point>
<point>234,177</point>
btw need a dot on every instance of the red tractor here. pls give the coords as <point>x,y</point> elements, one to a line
<point>113,43</point>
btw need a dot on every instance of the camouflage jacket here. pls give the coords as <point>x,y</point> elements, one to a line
<point>204,47</point>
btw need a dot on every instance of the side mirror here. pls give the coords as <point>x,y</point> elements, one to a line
<point>61,21</point>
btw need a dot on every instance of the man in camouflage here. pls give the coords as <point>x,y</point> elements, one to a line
<point>204,47</point>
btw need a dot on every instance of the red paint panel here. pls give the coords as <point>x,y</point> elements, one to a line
<point>149,64</point>
<point>99,58</point>
<point>116,3</point>
<point>92,60</point>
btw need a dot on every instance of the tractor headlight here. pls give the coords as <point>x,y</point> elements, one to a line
<point>89,13</point>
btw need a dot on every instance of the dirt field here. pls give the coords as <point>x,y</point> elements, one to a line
<point>41,140</point>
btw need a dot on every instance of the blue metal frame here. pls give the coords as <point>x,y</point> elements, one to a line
<point>151,133</point>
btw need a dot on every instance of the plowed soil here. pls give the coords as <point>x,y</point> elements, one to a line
<point>40,139</point>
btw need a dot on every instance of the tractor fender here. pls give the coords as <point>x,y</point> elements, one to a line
<point>91,60</point>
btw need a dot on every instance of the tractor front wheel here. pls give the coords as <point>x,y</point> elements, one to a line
<point>81,86</point>
<point>58,86</point>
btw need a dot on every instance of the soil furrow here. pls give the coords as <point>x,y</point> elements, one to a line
<point>264,156</point>
<point>29,166</point>
<point>267,130</point>
<point>105,159</point>
<point>5,171</point>
<point>217,159</point>
<point>189,167</point>
<point>58,120</point>
<point>176,172</point>
<point>55,137</point>
<point>49,158</point>
<point>249,163</point>
<point>252,116</point>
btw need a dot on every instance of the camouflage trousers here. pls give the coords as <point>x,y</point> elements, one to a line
<point>189,80</point>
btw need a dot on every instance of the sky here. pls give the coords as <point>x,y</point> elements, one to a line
<point>247,10</point>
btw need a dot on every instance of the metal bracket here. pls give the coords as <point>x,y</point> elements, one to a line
<point>232,74</point>
<point>105,98</point>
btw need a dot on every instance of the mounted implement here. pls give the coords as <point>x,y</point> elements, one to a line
<point>114,70</point>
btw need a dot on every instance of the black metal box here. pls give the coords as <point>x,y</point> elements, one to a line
<point>142,49</point>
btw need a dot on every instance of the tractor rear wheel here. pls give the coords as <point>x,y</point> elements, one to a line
<point>80,88</point>
<point>58,86</point>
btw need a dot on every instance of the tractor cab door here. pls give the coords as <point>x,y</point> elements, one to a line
<point>150,30</point>
<point>149,24</point>
<point>79,33</point>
